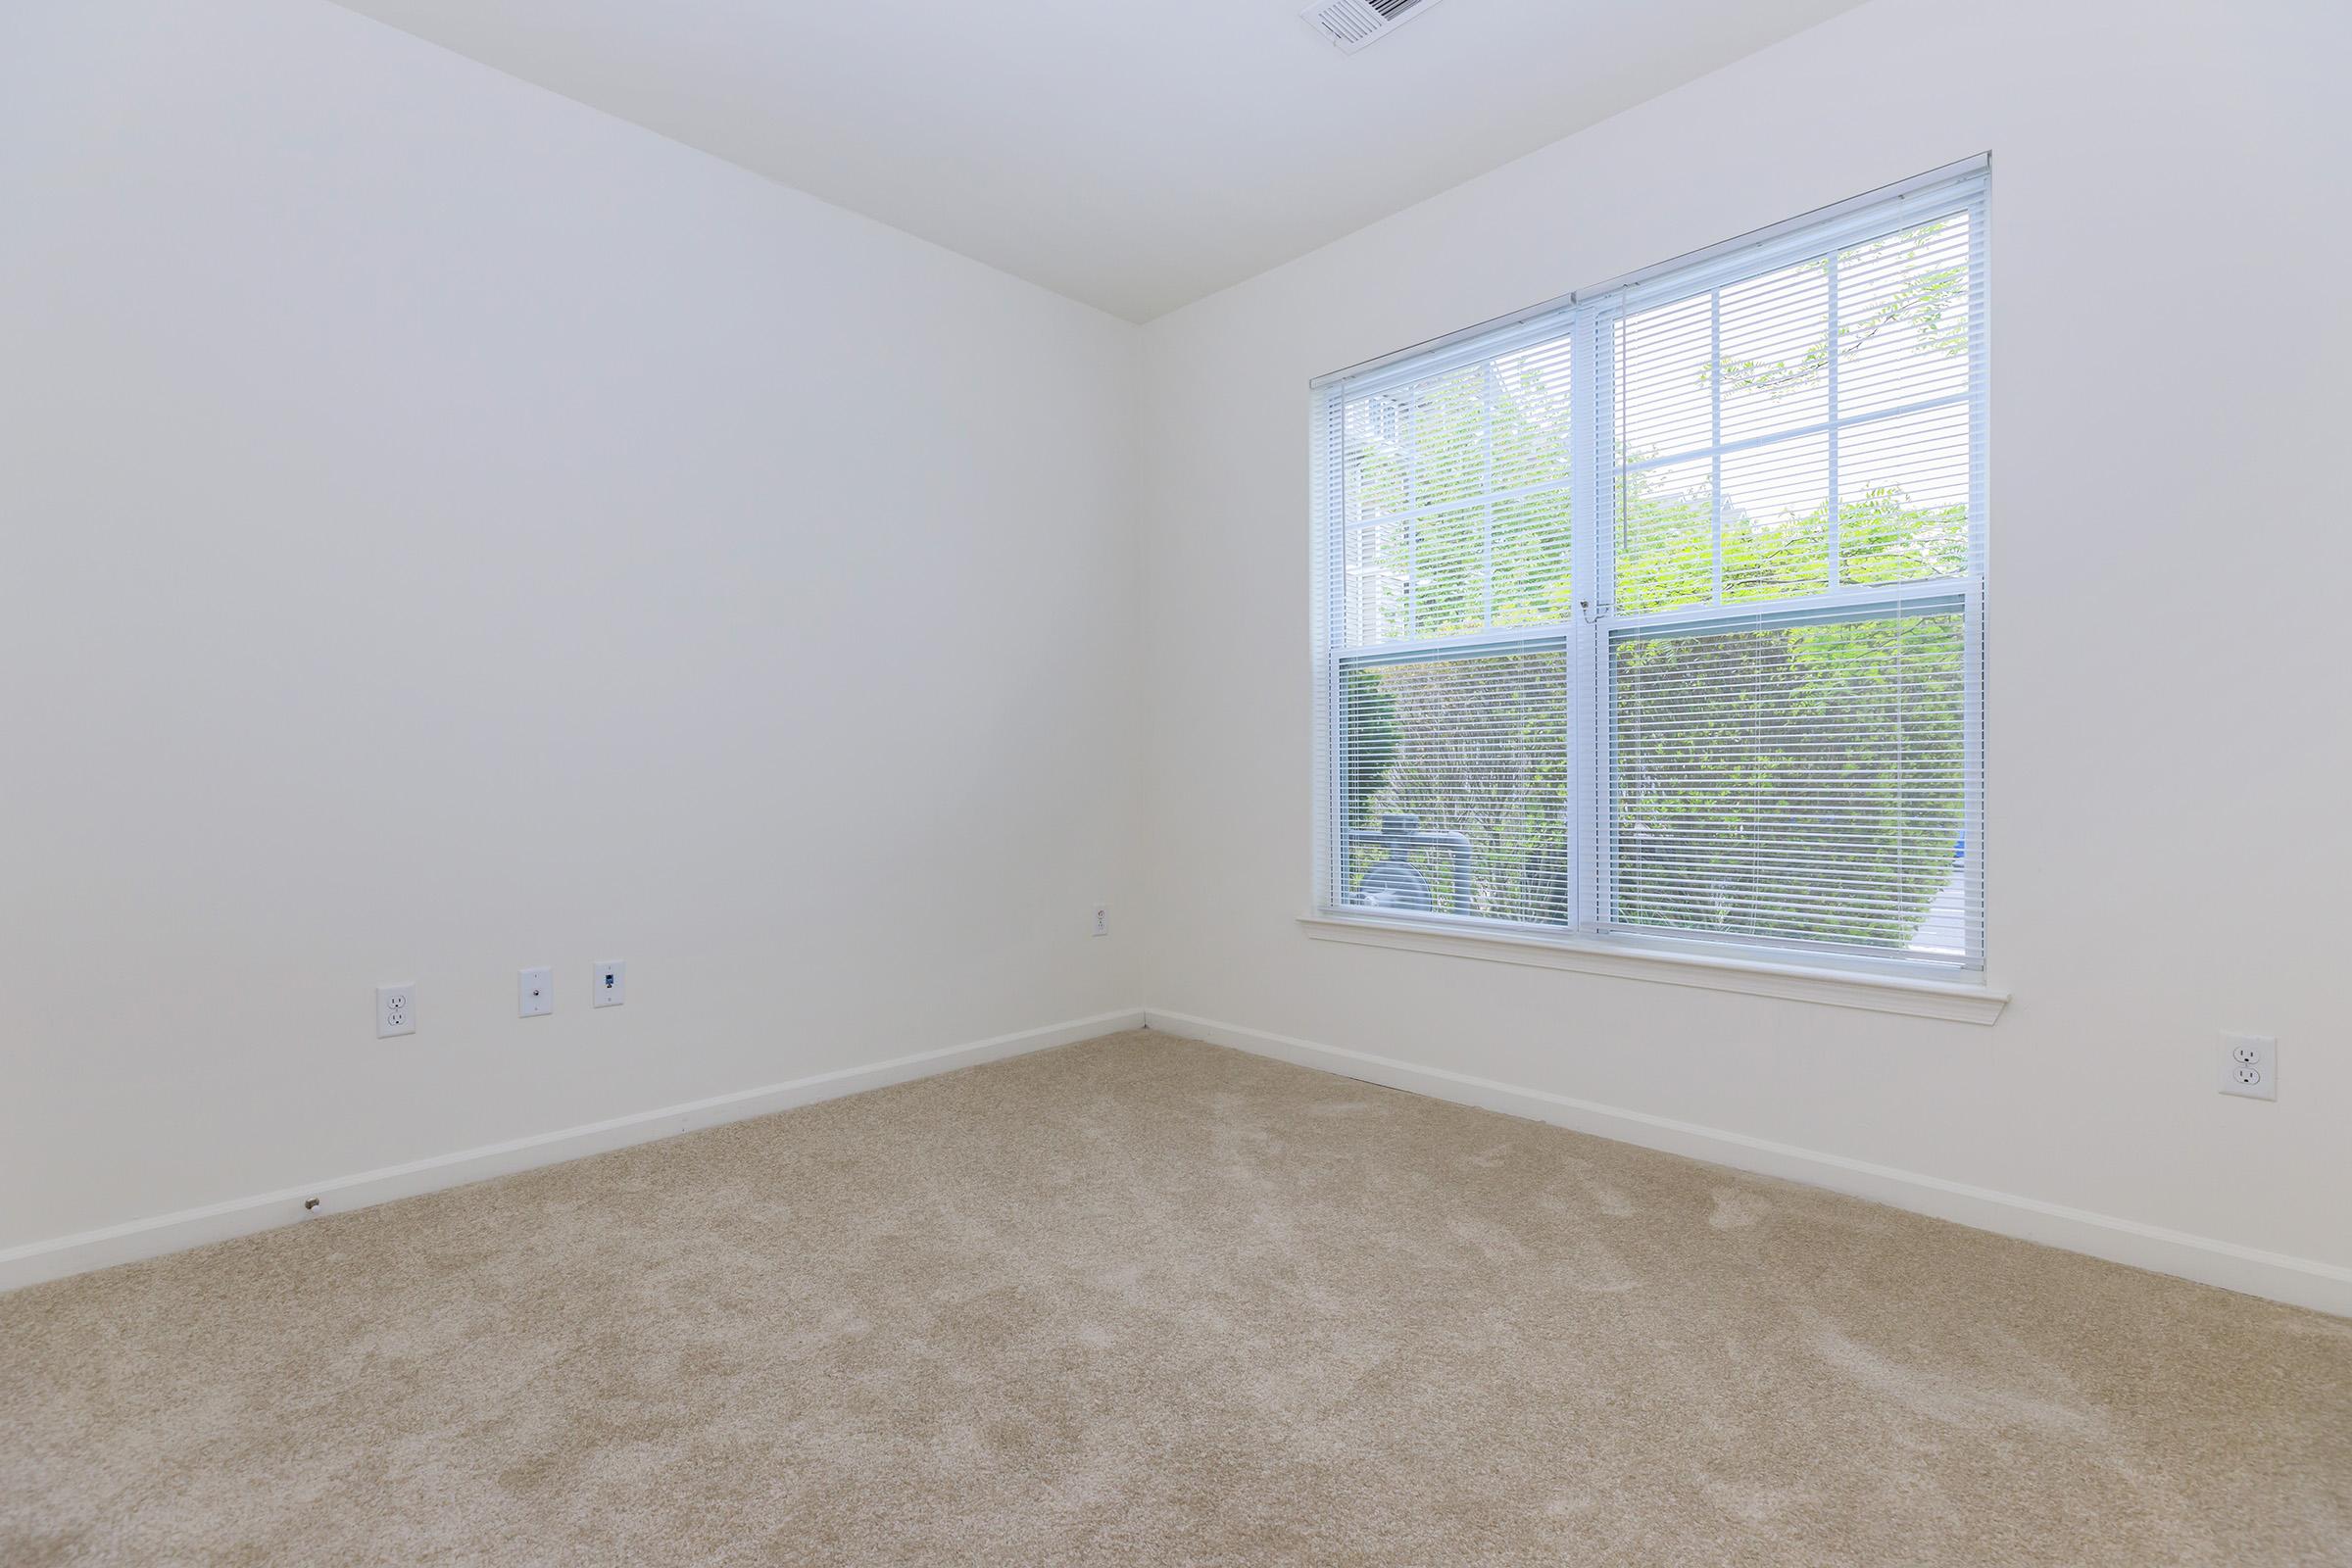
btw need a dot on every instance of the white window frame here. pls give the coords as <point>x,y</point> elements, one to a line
<point>1591,941</point>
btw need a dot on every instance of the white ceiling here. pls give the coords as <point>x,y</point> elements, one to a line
<point>1136,154</point>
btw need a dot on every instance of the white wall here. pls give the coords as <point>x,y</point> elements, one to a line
<point>2168,851</point>
<point>444,529</point>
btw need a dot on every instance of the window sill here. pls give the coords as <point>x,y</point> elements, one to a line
<point>1923,999</point>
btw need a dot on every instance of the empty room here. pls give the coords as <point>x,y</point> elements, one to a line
<point>1419,783</point>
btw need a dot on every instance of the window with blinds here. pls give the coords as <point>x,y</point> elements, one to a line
<point>1656,615</point>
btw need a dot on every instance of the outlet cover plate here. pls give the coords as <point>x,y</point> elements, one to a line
<point>395,1011</point>
<point>2250,1067</point>
<point>612,985</point>
<point>535,992</point>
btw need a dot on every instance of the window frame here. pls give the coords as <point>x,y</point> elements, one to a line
<point>1589,319</point>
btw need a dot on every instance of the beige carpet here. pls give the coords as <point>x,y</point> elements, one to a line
<point>1145,1301</point>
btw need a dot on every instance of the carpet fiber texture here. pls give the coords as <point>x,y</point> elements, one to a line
<point>1147,1300</point>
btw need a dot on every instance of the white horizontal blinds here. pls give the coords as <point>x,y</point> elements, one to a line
<point>1450,534</point>
<point>1802,782</point>
<point>1454,499</point>
<point>1746,707</point>
<point>1807,425</point>
<point>1453,790</point>
<point>1795,586</point>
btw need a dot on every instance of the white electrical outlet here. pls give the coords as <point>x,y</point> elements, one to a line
<point>537,991</point>
<point>1102,919</point>
<point>395,1011</point>
<point>612,984</point>
<point>2250,1067</point>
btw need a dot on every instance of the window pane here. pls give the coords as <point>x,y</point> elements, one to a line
<point>1454,785</point>
<point>1531,586</point>
<point>1903,318</point>
<point>1448,431</point>
<point>1793,783</point>
<point>1454,491</point>
<point>1379,569</point>
<point>1450,573</point>
<point>1775,349</point>
<point>1665,395</point>
<point>1377,457</point>
<point>1666,537</point>
<point>1902,497</point>
<point>1531,395</point>
<point>1776,519</point>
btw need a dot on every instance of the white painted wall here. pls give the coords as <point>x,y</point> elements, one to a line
<point>2169,744</point>
<point>444,529</point>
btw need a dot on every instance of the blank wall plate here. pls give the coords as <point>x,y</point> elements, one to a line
<point>611,985</point>
<point>536,988</point>
<point>2250,1067</point>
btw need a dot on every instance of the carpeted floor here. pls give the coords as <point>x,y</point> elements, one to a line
<point>1145,1301</point>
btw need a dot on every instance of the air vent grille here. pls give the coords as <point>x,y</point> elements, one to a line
<point>1354,23</point>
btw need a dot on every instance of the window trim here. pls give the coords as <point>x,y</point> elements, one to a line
<point>1923,986</point>
<point>1666,964</point>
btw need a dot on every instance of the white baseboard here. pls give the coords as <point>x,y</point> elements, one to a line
<point>2299,1281</point>
<point>35,1262</point>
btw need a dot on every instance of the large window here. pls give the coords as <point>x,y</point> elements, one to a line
<point>1656,616</point>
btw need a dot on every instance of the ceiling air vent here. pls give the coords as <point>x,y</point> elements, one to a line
<point>1354,23</point>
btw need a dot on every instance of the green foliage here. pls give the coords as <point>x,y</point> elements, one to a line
<point>1482,750</point>
<point>1733,816</point>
